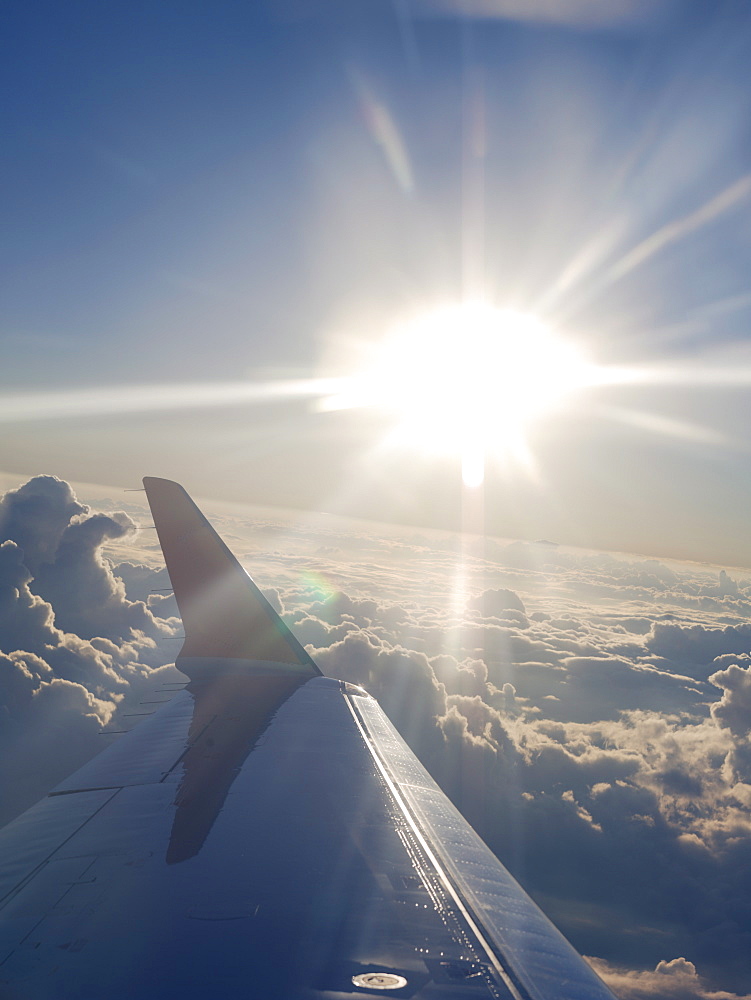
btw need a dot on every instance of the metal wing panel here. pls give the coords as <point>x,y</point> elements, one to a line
<point>538,961</point>
<point>307,877</point>
<point>31,839</point>
<point>144,755</point>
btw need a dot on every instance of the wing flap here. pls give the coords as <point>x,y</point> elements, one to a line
<point>29,841</point>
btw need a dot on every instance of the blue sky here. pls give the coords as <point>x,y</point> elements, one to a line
<point>213,194</point>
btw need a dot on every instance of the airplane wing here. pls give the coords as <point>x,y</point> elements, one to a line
<point>265,834</point>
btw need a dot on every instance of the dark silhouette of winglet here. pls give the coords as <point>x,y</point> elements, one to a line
<point>225,615</point>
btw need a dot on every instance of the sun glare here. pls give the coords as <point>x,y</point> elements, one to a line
<point>469,379</point>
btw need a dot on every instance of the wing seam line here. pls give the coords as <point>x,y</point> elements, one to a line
<point>187,750</point>
<point>37,868</point>
<point>442,874</point>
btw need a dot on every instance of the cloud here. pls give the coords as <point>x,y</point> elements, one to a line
<point>733,712</point>
<point>676,979</point>
<point>75,653</point>
<point>60,543</point>
<point>88,599</point>
<point>493,603</point>
<point>36,515</point>
<point>697,644</point>
<point>598,688</point>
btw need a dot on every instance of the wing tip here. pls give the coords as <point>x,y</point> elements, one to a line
<point>225,614</point>
<point>157,483</point>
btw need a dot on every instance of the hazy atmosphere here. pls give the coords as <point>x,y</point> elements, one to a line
<point>442,307</point>
<point>219,213</point>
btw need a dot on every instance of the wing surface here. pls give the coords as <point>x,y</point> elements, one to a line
<point>267,833</point>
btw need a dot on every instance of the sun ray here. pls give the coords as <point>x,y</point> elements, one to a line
<point>19,405</point>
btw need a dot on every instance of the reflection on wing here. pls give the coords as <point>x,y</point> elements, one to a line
<point>265,834</point>
<point>242,660</point>
<point>224,613</point>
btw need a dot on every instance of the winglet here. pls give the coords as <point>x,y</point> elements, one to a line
<point>226,617</point>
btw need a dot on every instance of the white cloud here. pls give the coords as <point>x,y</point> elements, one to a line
<point>74,651</point>
<point>676,979</point>
<point>733,712</point>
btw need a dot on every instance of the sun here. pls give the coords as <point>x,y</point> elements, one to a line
<point>470,379</point>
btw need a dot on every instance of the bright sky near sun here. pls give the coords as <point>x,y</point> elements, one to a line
<point>478,264</point>
<point>467,380</point>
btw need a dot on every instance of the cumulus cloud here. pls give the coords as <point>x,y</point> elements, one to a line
<point>61,548</point>
<point>36,515</point>
<point>698,645</point>
<point>75,652</point>
<point>676,979</point>
<point>733,712</point>
<point>497,604</point>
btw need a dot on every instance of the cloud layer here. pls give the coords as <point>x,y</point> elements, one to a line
<point>588,713</point>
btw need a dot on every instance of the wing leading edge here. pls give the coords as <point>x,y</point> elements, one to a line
<point>267,833</point>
